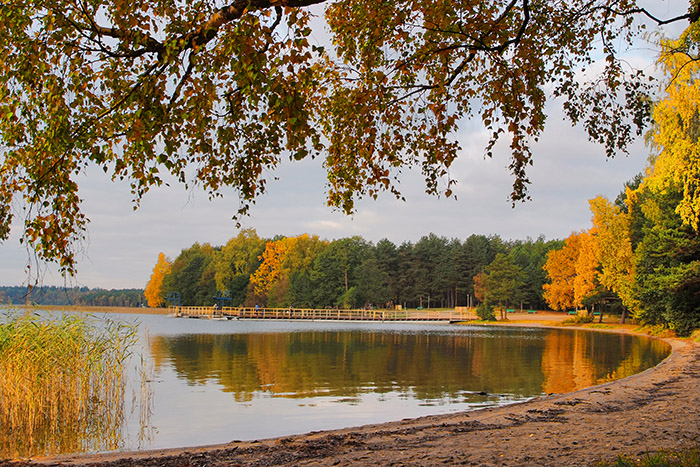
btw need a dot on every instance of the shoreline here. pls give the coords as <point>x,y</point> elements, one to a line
<point>656,409</point>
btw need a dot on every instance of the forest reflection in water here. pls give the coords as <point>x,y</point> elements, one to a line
<point>474,365</point>
<point>207,382</point>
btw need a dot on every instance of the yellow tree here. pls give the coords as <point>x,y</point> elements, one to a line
<point>612,232</point>
<point>235,263</point>
<point>676,132</point>
<point>561,270</point>
<point>154,288</point>
<point>238,256</point>
<point>269,270</point>
<point>586,281</point>
<point>300,254</point>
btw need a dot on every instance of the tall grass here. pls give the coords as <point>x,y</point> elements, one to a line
<point>62,384</point>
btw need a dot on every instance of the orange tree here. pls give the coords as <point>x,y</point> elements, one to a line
<point>559,293</point>
<point>216,93</point>
<point>154,288</point>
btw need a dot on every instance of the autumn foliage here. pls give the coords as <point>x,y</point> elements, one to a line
<point>216,94</point>
<point>154,288</point>
<point>561,269</point>
<point>643,251</point>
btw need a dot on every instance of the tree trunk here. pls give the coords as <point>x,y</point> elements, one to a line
<point>624,315</point>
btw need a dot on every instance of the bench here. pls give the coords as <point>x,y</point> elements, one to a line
<point>532,312</point>
<point>596,313</point>
<point>573,312</point>
<point>510,310</point>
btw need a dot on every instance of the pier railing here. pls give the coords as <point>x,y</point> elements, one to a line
<point>321,314</point>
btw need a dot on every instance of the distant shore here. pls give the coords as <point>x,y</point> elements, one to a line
<point>94,309</point>
<point>656,409</point>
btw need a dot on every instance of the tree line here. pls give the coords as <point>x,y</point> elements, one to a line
<point>306,271</point>
<point>70,296</point>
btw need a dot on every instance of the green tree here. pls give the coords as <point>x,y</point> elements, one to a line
<point>531,256</point>
<point>430,260</point>
<point>333,273</point>
<point>485,312</point>
<point>406,280</point>
<point>372,283</point>
<point>301,289</point>
<point>387,257</point>
<point>217,94</point>
<point>477,252</point>
<point>447,275</point>
<point>504,282</point>
<point>236,261</point>
<point>667,265</point>
<point>192,275</point>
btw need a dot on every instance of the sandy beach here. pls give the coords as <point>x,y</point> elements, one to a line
<point>653,410</point>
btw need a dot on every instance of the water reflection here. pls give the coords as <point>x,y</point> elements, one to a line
<point>425,366</point>
<point>580,359</point>
<point>214,382</point>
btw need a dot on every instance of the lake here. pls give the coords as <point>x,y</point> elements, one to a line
<point>217,381</point>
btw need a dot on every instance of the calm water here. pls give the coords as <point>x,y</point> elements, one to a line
<point>218,381</point>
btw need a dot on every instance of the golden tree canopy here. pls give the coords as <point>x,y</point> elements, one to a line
<point>612,232</point>
<point>676,132</point>
<point>154,288</point>
<point>561,269</point>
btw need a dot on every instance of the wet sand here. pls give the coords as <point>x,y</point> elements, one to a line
<point>656,409</point>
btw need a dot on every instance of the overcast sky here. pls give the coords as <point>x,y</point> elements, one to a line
<point>124,244</point>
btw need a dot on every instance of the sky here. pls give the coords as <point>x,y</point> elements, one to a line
<point>123,245</point>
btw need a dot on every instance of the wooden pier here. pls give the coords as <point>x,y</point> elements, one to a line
<point>326,314</point>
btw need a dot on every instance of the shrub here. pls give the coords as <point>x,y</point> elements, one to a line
<point>485,312</point>
<point>579,319</point>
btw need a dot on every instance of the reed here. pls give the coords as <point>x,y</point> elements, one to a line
<point>62,384</point>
